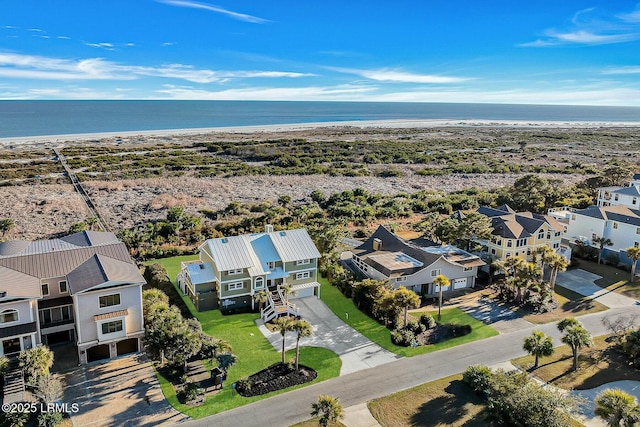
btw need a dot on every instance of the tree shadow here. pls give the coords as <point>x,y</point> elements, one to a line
<point>451,408</point>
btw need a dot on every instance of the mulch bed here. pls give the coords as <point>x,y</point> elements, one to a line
<point>276,377</point>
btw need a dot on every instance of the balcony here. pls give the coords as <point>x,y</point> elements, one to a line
<point>54,323</point>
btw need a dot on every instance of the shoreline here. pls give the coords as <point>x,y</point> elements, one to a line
<point>383,124</point>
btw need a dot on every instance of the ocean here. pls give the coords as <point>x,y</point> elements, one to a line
<point>37,118</point>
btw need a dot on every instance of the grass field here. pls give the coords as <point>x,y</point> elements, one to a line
<point>253,350</point>
<point>444,402</point>
<point>597,365</point>
<point>379,334</point>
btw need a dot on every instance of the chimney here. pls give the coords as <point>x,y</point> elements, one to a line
<point>268,228</point>
<point>377,244</point>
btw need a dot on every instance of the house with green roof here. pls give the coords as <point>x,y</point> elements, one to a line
<point>231,270</point>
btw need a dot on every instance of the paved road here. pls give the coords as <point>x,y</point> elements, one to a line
<point>353,389</point>
<point>355,350</point>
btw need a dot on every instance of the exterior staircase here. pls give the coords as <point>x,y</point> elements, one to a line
<point>14,388</point>
<point>276,306</point>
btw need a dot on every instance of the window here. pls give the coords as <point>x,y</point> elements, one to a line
<point>509,243</point>
<point>303,275</point>
<point>508,254</point>
<point>401,279</point>
<point>45,316</point>
<point>467,269</point>
<point>557,234</point>
<point>615,225</point>
<point>111,327</point>
<point>636,244</point>
<point>521,242</point>
<point>615,197</point>
<point>637,230</point>
<point>109,300</point>
<point>541,235</point>
<point>259,283</point>
<point>493,251</point>
<point>634,201</point>
<point>65,312</point>
<point>45,289</point>
<point>271,265</point>
<point>594,236</point>
<point>9,316</point>
<point>303,261</point>
<point>234,272</point>
<point>235,286</point>
<point>435,272</point>
<point>556,245</point>
<point>63,287</point>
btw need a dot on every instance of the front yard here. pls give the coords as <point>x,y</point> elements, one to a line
<point>379,334</point>
<point>252,348</point>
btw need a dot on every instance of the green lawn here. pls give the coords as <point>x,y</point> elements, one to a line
<point>379,334</point>
<point>252,348</point>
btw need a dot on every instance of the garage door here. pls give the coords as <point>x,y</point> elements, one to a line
<point>460,283</point>
<point>127,346</point>
<point>436,288</point>
<point>98,352</point>
<point>306,292</point>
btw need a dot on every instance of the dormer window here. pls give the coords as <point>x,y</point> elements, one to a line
<point>303,261</point>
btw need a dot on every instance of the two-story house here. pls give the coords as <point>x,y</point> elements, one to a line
<point>628,195</point>
<point>517,234</point>
<point>618,223</point>
<point>231,270</point>
<point>82,288</point>
<point>386,256</point>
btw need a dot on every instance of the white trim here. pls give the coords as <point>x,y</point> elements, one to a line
<point>235,286</point>
<point>112,305</point>
<point>235,272</point>
<point>303,275</point>
<point>303,261</point>
<point>3,312</point>
<point>111,335</point>
<point>66,285</point>
<point>255,283</point>
<point>48,290</point>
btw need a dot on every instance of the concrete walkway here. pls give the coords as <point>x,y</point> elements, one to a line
<point>582,282</point>
<point>355,350</point>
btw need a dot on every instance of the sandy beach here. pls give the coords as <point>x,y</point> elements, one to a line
<point>52,140</point>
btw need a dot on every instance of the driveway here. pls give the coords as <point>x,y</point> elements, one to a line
<point>355,350</point>
<point>590,419</point>
<point>495,314</point>
<point>582,282</point>
<point>113,394</point>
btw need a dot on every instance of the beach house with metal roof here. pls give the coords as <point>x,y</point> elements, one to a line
<point>80,289</point>
<point>517,234</point>
<point>231,270</point>
<point>386,256</point>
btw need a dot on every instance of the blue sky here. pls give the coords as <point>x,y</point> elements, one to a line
<point>542,52</point>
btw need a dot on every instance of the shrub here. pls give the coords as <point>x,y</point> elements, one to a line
<point>428,321</point>
<point>189,392</point>
<point>415,327</point>
<point>478,377</point>
<point>402,337</point>
<point>243,385</point>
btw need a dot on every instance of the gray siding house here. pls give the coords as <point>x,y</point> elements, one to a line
<point>385,256</point>
<point>82,288</point>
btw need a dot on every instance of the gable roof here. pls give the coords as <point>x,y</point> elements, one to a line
<point>517,225</point>
<point>397,256</point>
<point>99,270</point>
<point>255,250</point>
<point>43,259</point>
<point>628,191</point>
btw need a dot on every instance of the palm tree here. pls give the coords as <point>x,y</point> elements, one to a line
<point>261,297</point>
<point>526,274</point>
<point>406,299</point>
<point>91,222</point>
<point>283,325</point>
<point>633,253</point>
<point>441,281</point>
<point>328,408</point>
<point>575,336</point>
<point>544,253</point>
<point>538,345</point>
<point>36,362</point>
<point>617,408</point>
<point>6,224</point>
<point>602,242</point>
<point>287,289</point>
<point>557,263</point>
<point>303,329</point>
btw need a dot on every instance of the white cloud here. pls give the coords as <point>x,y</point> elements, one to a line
<point>311,93</point>
<point>45,68</point>
<point>390,75</point>
<point>592,27</point>
<point>631,69</point>
<point>106,46</point>
<point>214,8</point>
